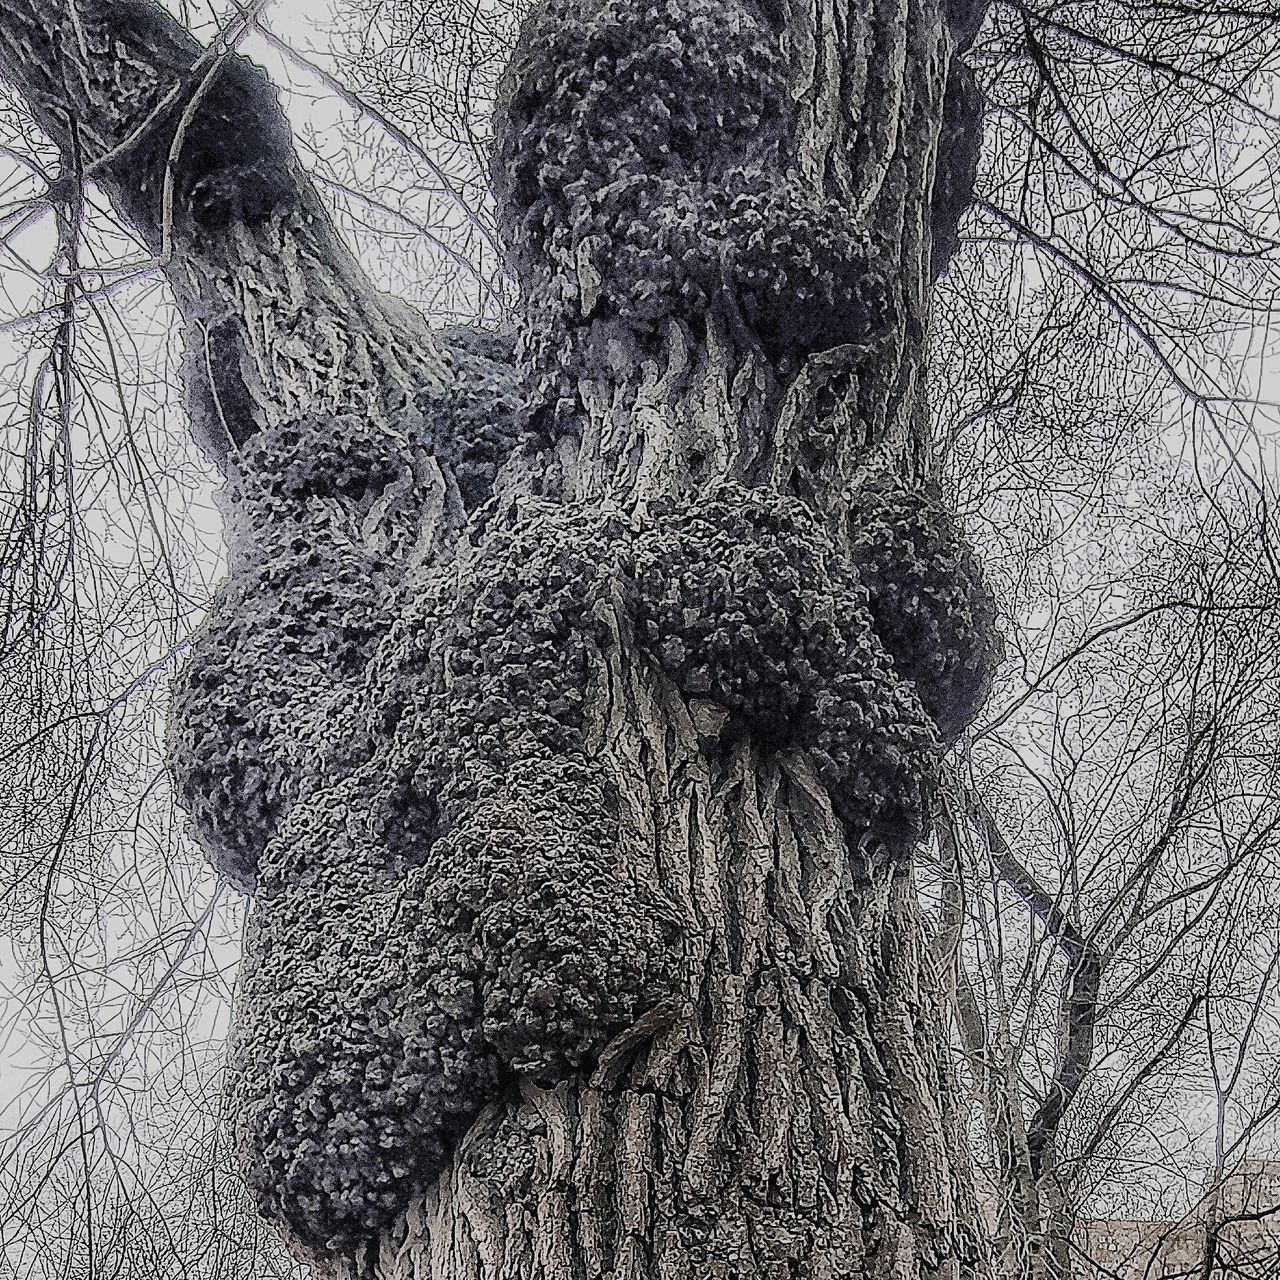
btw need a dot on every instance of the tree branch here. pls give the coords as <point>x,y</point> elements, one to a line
<point>192,149</point>
<point>1078,1007</point>
<point>119,77</point>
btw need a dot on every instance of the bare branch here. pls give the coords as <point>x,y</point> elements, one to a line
<point>1078,1008</point>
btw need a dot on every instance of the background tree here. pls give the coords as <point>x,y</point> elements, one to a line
<point>1136,717</point>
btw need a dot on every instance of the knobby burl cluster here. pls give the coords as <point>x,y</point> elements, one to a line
<point>321,526</point>
<point>398,769</point>
<point>391,748</point>
<point>644,172</point>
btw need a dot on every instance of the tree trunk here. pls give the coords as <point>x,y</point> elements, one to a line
<point>789,1119</point>
<point>574,722</point>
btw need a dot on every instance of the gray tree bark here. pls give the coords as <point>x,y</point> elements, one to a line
<point>572,711</point>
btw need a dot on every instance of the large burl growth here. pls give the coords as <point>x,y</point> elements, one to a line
<point>399,742</point>
<point>397,765</point>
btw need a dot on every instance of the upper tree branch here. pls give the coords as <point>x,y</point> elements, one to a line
<point>192,149</point>
<point>117,81</point>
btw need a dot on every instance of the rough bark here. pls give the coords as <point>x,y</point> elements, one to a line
<point>788,1115</point>
<point>573,717</point>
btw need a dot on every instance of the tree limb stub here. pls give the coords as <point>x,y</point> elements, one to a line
<point>192,148</point>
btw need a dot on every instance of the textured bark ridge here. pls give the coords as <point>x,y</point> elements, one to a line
<point>572,708</point>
